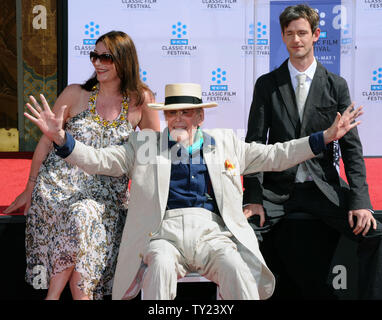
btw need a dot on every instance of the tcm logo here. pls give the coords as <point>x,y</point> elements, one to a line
<point>346,36</point>
<point>345,30</point>
<point>251,34</point>
<point>261,33</point>
<point>143,75</point>
<point>322,16</point>
<point>92,32</point>
<point>377,80</point>
<point>179,31</point>
<point>219,77</point>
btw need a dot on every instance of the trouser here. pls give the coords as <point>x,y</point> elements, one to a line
<point>318,252</point>
<point>195,240</point>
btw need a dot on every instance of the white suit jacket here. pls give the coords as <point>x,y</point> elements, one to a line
<point>145,159</point>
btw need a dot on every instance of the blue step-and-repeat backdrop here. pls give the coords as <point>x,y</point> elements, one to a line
<point>225,45</point>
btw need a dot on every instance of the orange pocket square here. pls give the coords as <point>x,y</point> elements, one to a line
<point>228,165</point>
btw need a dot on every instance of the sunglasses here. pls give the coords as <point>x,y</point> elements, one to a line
<point>187,113</point>
<point>104,58</point>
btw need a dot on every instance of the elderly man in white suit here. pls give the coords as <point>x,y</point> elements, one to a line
<point>185,210</point>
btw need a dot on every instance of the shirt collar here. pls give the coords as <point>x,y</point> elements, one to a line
<point>309,72</point>
<point>197,145</point>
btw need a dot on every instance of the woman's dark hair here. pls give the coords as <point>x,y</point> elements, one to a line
<point>125,58</point>
<point>296,12</point>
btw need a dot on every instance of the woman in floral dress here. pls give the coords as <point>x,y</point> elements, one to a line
<point>74,221</point>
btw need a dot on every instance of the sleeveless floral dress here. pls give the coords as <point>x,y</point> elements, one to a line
<point>76,218</point>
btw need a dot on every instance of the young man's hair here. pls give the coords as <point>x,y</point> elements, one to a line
<point>296,12</point>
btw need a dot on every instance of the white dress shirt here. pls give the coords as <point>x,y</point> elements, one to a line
<point>302,174</point>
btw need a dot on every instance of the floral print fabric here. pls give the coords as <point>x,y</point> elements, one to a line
<point>77,219</point>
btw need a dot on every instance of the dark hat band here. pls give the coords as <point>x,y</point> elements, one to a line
<point>182,99</point>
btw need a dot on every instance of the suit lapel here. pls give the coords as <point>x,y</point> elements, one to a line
<point>315,91</point>
<point>287,93</point>
<point>163,168</point>
<point>214,167</point>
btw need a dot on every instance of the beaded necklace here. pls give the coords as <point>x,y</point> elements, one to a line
<point>102,122</point>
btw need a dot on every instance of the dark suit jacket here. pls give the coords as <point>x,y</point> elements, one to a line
<point>274,108</point>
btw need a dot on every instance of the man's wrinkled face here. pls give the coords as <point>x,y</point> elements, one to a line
<point>183,124</point>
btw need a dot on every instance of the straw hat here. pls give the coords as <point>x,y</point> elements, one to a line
<point>182,96</point>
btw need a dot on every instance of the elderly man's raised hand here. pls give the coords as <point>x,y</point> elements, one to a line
<point>50,124</point>
<point>343,123</point>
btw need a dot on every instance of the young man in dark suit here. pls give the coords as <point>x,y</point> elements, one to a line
<point>298,98</point>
